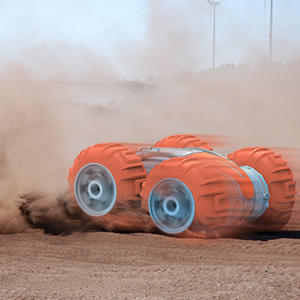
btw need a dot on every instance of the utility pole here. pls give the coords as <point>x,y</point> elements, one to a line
<point>271,32</point>
<point>213,6</point>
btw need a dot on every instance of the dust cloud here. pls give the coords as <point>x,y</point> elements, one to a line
<point>41,136</point>
<point>57,101</point>
<point>173,40</point>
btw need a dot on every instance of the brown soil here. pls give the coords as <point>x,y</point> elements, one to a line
<point>102,265</point>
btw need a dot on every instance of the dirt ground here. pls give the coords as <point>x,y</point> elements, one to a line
<point>103,265</point>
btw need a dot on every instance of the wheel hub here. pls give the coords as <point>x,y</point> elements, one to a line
<point>171,205</point>
<point>95,189</point>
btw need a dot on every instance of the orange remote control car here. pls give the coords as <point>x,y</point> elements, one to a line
<point>185,186</point>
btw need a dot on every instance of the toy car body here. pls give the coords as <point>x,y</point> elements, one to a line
<point>185,186</point>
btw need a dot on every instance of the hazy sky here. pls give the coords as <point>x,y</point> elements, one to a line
<point>130,33</point>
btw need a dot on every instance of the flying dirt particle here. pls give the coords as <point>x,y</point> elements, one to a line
<point>58,214</point>
<point>50,214</point>
<point>11,220</point>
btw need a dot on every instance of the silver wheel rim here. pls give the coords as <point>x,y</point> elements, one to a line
<point>171,205</point>
<point>95,189</point>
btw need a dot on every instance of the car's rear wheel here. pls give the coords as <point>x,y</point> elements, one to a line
<point>279,179</point>
<point>182,141</point>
